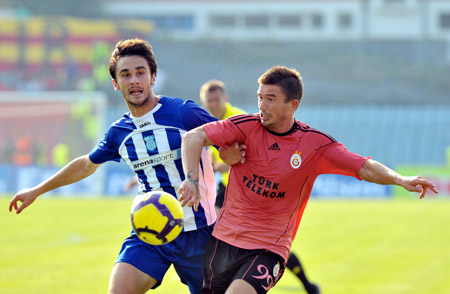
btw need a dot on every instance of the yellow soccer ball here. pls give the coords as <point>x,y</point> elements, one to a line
<point>157,217</point>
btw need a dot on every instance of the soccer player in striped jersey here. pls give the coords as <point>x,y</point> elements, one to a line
<point>148,139</point>
<point>214,97</point>
<point>267,194</point>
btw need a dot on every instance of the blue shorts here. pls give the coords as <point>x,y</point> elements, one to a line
<point>186,253</point>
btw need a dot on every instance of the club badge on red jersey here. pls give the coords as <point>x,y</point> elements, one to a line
<point>296,160</point>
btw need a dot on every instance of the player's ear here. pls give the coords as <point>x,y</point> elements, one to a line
<point>116,86</point>
<point>294,104</point>
<point>153,81</point>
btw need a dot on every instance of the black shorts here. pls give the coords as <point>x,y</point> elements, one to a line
<point>225,263</point>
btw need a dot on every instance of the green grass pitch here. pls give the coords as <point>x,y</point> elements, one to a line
<point>68,245</point>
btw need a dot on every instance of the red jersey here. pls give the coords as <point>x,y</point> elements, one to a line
<point>266,196</point>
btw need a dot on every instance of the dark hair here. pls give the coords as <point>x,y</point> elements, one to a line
<point>288,79</point>
<point>132,47</point>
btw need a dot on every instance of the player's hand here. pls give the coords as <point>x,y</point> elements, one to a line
<point>233,154</point>
<point>189,193</point>
<point>418,184</point>
<point>26,197</point>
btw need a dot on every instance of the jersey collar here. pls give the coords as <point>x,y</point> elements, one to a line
<point>294,128</point>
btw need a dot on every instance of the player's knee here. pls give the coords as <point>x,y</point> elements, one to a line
<point>126,279</point>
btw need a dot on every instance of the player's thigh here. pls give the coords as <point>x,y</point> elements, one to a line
<point>126,279</point>
<point>240,287</point>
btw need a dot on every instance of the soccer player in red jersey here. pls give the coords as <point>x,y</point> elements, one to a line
<point>267,194</point>
<point>214,97</point>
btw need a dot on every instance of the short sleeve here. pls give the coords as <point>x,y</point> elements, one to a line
<point>105,150</point>
<point>195,116</point>
<point>224,133</point>
<point>336,159</point>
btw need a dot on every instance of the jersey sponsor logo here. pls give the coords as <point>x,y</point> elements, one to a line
<point>263,187</point>
<point>147,123</point>
<point>150,142</point>
<point>275,146</point>
<point>156,159</point>
<point>296,159</point>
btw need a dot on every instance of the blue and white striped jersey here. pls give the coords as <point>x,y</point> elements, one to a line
<point>151,146</point>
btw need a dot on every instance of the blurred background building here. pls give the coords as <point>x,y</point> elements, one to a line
<point>376,74</point>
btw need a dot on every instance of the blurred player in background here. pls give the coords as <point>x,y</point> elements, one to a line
<point>214,97</point>
<point>148,139</point>
<point>267,194</point>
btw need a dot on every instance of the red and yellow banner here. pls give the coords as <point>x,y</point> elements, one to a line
<point>54,41</point>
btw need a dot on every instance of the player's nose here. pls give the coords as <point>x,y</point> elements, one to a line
<point>262,105</point>
<point>134,80</point>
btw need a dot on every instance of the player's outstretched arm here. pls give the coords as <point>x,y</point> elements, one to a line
<point>74,171</point>
<point>375,172</point>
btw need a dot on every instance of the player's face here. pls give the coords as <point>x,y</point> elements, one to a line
<point>275,114</point>
<point>215,103</point>
<point>134,80</point>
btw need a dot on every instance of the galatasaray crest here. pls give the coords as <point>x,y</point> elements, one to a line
<point>296,160</point>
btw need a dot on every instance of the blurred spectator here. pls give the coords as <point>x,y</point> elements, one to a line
<point>60,155</point>
<point>40,153</point>
<point>23,152</point>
